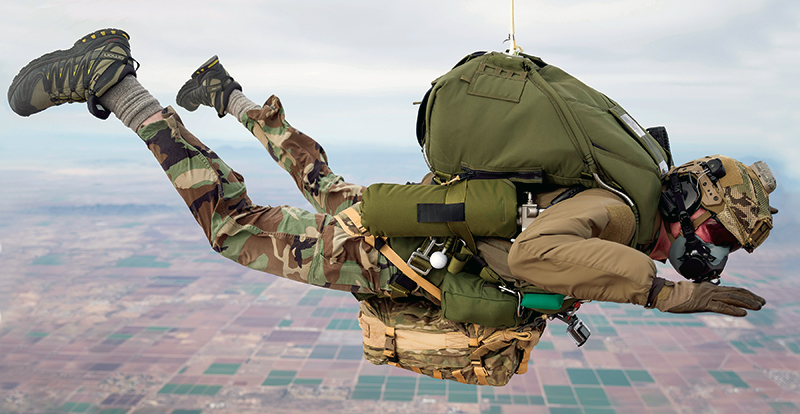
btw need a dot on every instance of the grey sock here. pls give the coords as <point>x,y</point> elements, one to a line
<point>130,102</point>
<point>238,104</point>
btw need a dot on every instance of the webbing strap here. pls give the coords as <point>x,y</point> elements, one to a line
<point>477,361</point>
<point>480,372</point>
<point>390,254</point>
<point>459,376</point>
<point>527,347</point>
<point>457,194</point>
<point>700,219</point>
<point>437,374</point>
<point>459,259</point>
<point>526,357</point>
<point>390,346</point>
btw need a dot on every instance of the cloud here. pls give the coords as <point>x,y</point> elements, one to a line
<point>721,74</point>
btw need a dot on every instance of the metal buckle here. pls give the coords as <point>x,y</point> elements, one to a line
<point>425,255</point>
<point>517,294</point>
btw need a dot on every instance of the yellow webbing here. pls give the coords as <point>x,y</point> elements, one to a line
<point>390,254</point>
<point>477,361</point>
<point>527,347</point>
<point>390,347</point>
<point>437,374</point>
<point>480,372</point>
<point>526,357</point>
<point>459,377</point>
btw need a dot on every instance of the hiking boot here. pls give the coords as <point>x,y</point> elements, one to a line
<point>210,85</point>
<point>82,73</point>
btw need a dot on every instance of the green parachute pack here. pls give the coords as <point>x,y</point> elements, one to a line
<point>516,119</point>
<point>492,129</point>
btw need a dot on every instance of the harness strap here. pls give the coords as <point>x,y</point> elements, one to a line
<point>526,353</point>
<point>459,376</point>
<point>390,346</point>
<point>387,252</point>
<point>480,372</point>
<point>457,194</point>
<point>476,359</point>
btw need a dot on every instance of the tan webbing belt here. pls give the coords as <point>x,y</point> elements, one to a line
<point>387,251</point>
<point>390,347</point>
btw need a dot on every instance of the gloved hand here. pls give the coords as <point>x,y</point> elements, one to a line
<point>689,297</point>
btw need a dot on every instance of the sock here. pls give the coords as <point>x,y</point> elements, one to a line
<point>238,104</point>
<point>130,102</point>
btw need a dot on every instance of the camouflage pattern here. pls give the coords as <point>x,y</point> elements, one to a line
<point>423,341</point>
<point>87,70</point>
<point>303,158</point>
<point>743,204</point>
<point>314,249</point>
<point>284,241</point>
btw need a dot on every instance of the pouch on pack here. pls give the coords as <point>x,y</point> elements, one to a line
<point>416,336</point>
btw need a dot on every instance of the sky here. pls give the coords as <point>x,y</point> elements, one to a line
<point>721,75</point>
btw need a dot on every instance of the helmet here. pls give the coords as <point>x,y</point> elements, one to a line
<point>733,194</point>
<point>736,194</point>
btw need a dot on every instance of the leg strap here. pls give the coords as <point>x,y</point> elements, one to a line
<point>391,255</point>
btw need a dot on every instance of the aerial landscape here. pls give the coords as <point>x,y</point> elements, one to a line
<point>113,302</point>
<point>120,307</point>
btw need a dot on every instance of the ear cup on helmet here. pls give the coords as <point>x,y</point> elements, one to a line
<point>691,198</point>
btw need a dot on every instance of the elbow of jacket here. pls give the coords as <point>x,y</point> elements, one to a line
<point>520,258</point>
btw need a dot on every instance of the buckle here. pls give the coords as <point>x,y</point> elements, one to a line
<point>423,253</point>
<point>515,293</point>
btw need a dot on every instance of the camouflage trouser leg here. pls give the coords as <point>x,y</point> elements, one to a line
<point>284,241</point>
<point>303,158</point>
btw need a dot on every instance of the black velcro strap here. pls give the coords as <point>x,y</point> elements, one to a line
<point>658,284</point>
<point>440,213</point>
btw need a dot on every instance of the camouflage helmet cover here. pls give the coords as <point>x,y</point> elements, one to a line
<point>739,199</point>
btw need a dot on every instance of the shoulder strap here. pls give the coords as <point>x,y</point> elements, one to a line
<point>391,255</point>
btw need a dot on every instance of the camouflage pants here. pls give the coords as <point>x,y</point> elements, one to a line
<point>284,241</point>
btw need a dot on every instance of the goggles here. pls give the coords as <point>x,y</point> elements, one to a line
<point>712,231</point>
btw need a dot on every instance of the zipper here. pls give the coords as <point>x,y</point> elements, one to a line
<point>470,174</point>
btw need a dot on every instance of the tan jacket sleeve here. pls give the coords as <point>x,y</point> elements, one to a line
<point>578,248</point>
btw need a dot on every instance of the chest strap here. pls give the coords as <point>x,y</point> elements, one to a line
<point>382,246</point>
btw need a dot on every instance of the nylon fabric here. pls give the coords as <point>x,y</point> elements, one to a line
<point>487,114</point>
<point>562,252</point>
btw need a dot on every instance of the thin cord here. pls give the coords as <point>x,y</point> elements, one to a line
<point>514,50</point>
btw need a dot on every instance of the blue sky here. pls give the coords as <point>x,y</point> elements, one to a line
<point>720,74</point>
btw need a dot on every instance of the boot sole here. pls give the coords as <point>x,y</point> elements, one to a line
<point>79,48</point>
<point>193,84</point>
